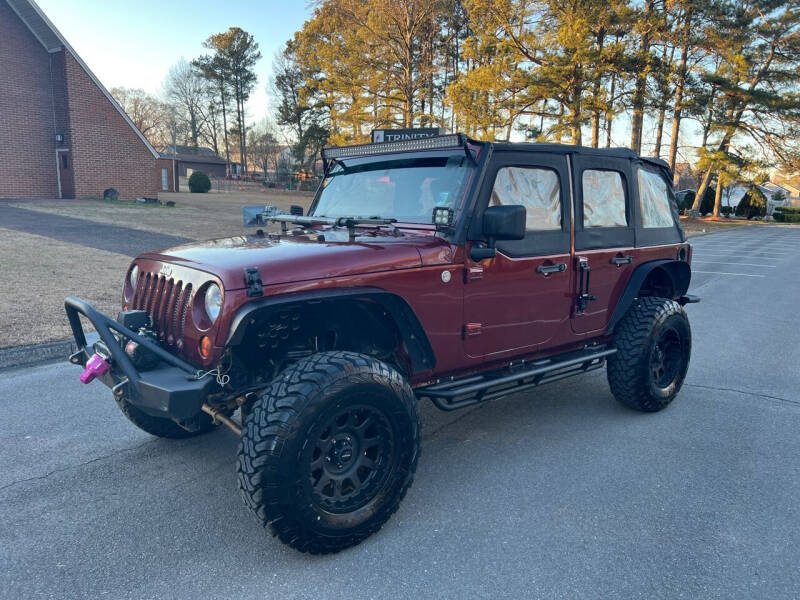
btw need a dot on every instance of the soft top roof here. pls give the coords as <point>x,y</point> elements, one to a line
<point>460,140</point>
<point>571,149</point>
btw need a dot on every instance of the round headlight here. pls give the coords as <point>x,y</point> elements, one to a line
<point>213,301</point>
<point>133,276</point>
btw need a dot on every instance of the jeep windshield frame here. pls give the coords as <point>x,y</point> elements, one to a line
<point>403,186</point>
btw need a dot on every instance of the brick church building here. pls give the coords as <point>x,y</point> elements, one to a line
<point>62,135</point>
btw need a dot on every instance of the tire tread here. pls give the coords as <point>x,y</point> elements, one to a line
<point>277,415</point>
<point>626,372</point>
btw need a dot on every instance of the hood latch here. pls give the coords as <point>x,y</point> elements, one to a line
<point>252,279</point>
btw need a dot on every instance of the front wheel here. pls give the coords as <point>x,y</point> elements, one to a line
<point>654,343</point>
<point>328,450</point>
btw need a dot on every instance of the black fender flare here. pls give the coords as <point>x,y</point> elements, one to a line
<point>678,271</point>
<point>420,351</point>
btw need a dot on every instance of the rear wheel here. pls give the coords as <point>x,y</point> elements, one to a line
<point>329,450</point>
<point>165,428</point>
<point>653,343</point>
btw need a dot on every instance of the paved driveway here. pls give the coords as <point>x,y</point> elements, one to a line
<point>85,232</point>
<point>558,493</point>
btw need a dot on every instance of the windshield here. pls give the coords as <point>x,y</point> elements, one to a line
<point>405,189</point>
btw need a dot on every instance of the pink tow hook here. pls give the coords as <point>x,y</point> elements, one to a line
<point>95,366</point>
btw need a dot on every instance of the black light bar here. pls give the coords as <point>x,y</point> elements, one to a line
<point>454,140</point>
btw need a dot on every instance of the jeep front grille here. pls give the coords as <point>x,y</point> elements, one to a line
<point>167,302</point>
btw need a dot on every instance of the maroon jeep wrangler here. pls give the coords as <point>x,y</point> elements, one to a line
<point>446,268</point>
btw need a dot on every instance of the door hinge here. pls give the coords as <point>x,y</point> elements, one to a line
<point>473,274</point>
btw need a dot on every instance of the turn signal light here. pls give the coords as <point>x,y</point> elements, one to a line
<point>205,346</point>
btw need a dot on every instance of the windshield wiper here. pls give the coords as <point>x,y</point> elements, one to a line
<point>350,222</point>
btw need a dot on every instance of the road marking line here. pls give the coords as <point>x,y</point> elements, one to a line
<point>747,246</point>
<point>724,273</point>
<point>733,254</point>
<point>734,264</point>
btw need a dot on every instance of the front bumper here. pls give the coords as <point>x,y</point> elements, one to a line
<point>170,390</point>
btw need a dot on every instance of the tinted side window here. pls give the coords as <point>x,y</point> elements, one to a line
<point>603,199</point>
<point>654,200</point>
<point>536,189</point>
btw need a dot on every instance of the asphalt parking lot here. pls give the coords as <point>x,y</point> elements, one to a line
<point>557,493</point>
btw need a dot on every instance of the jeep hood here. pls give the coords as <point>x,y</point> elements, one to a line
<point>291,258</point>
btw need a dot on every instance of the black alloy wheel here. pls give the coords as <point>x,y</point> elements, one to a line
<point>351,458</point>
<point>666,357</point>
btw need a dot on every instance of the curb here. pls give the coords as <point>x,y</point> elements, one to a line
<point>18,357</point>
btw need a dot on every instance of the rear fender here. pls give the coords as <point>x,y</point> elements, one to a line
<point>677,272</point>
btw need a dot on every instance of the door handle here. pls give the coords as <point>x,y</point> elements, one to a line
<point>547,269</point>
<point>622,260</point>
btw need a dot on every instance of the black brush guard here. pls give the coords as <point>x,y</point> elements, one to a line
<point>170,390</point>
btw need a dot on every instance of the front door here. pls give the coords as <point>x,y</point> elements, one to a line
<point>520,300</point>
<point>65,177</point>
<point>604,238</point>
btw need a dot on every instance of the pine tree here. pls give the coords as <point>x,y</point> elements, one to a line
<point>236,53</point>
<point>758,46</point>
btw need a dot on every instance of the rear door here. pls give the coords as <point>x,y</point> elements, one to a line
<point>520,299</point>
<point>604,238</point>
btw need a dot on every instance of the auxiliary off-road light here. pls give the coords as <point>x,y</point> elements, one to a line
<point>443,216</point>
<point>431,143</point>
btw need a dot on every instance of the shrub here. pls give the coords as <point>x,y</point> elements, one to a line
<point>199,183</point>
<point>726,210</point>
<point>707,204</point>
<point>787,214</point>
<point>111,194</point>
<point>752,204</point>
<point>685,200</point>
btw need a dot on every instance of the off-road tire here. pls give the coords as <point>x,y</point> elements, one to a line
<point>160,427</point>
<point>650,325</point>
<point>281,442</point>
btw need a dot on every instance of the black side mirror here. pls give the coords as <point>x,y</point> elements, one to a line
<point>500,223</point>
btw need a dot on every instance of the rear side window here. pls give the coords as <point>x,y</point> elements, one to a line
<point>537,190</point>
<point>654,200</point>
<point>603,199</point>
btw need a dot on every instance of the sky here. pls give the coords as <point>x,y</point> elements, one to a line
<point>133,43</point>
